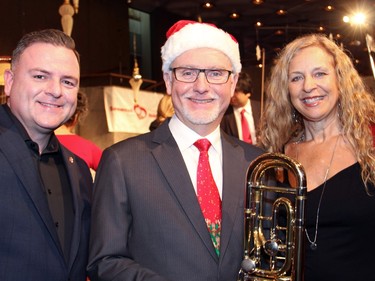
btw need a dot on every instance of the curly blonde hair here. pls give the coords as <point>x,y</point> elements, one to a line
<point>281,123</point>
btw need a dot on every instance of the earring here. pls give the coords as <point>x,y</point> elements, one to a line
<point>296,116</point>
<point>339,110</point>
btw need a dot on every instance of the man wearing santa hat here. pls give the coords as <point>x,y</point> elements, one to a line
<point>164,207</point>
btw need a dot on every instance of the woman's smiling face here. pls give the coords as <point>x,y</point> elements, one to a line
<point>312,83</point>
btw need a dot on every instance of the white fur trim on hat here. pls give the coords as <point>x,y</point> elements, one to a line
<point>200,35</point>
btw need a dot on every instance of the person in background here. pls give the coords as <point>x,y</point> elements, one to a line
<point>80,146</point>
<point>165,110</point>
<point>45,200</point>
<point>159,215</point>
<point>319,112</point>
<point>242,116</point>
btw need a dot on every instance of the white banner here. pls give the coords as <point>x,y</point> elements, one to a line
<point>124,115</point>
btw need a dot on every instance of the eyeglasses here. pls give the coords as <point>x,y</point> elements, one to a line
<point>190,75</point>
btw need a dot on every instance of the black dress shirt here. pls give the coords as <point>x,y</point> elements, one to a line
<point>55,184</point>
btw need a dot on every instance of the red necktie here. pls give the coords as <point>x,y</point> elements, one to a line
<point>246,136</point>
<point>208,194</point>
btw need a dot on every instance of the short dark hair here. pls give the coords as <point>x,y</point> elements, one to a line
<point>51,36</point>
<point>244,83</point>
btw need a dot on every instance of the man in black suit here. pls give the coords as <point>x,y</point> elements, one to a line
<point>45,189</point>
<point>241,102</point>
<point>148,223</point>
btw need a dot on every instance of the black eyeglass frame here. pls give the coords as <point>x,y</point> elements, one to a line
<point>201,70</point>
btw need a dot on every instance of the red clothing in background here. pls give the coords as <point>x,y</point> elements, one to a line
<point>84,148</point>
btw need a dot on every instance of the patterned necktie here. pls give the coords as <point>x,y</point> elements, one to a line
<point>246,136</point>
<point>208,194</point>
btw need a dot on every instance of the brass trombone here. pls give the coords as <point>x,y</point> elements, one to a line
<point>274,227</point>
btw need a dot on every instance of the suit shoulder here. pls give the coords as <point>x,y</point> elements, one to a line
<point>245,146</point>
<point>250,147</point>
<point>135,143</point>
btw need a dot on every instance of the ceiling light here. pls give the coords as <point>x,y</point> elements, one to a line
<point>356,19</point>
<point>257,2</point>
<point>234,15</point>
<point>359,18</point>
<point>279,32</point>
<point>329,8</point>
<point>281,12</point>
<point>208,5</point>
<point>258,23</point>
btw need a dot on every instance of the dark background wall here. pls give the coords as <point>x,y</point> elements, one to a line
<point>100,29</point>
<point>101,33</point>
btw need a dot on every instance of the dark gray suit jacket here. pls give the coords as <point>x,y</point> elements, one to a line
<point>147,223</point>
<point>29,244</point>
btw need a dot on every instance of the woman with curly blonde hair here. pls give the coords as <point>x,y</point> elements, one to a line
<point>319,112</point>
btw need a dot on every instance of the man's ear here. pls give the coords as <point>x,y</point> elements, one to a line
<point>8,81</point>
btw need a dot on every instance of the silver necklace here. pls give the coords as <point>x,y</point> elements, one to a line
<point>313,244</point>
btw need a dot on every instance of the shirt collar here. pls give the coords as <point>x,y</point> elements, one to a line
<point>21,129</point>
<point>186,137</point>
<point>52,146</point>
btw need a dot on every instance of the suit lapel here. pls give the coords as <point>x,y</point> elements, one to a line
<point>230,122</point>
<point>233,124</point>
<point>233,189</point>
<point>71,168</point>
<point>174,169</point>
<point>16,151</point>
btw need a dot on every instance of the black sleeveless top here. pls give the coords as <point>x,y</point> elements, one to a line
<point>346,231</point>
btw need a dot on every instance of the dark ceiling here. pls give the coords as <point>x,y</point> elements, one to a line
<point>301,16</point>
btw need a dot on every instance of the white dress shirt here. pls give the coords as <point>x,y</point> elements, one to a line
<point>185,138</point>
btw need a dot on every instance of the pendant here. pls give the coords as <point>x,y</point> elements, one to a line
<point>313,246</point>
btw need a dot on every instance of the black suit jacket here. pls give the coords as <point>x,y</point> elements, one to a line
<point>29,244</point>
<point>147,223</point>
<point>228,123</point>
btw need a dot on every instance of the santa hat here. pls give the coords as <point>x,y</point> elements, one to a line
<point>185,35</point>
